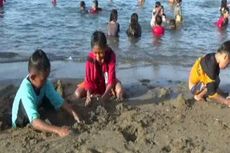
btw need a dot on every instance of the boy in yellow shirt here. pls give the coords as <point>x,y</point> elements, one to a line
<point>204,76</point>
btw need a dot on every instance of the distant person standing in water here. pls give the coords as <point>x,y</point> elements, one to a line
<point>83,7</point>
<point>158,29</point>
<point>54,2</point>
<point>2,3</point>
<point>95,9</point>
<point>134,29</point>
<point>113,25</point>
<point>223,20</point>
<point>178,11</point>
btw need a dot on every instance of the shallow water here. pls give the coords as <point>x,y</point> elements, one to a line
<point>64,33</point>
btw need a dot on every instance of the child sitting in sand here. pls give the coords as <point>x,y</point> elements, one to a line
<point>100,79</point>
<point>36,91</point>
<point>204,76</point>
<point>158,29</point>
<point>95,9</point>
<point>178,12</point>
<point>223,20</point>
<point>134,29</point>
<point>113,25</point>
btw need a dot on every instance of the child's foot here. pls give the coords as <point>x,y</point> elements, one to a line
<point>197,98</point>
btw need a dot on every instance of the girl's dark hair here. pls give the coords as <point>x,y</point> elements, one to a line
<point>113,15</point>
<point>98,38</point>
<point>39,61</point>
<point>134,19</point>
<point>225,48</point>
<point>82,4</point>
<point>158,20</point>
<point>157,4</point>
<point>223,4</point>
<point>96,3</point>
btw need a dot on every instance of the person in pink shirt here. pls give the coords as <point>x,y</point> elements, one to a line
<point>95,9</point>
<point>100,79</point>
<point>223,20</point>
<point>158,29</point>
<point>2,3</point>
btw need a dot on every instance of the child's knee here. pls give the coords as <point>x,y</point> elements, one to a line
<point>119,89</point>
<point>77,93</point>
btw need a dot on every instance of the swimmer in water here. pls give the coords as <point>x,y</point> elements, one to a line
<point>83,7</point>
<point>113,25</point>
<point>223,20</point>
<point>178,12</point>
<point>158,29</point>
<point>134,29</point>
<point>95,9</point>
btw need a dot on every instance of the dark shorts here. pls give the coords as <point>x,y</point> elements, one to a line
<point>22,118</point>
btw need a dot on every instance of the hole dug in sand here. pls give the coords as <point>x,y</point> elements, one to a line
<point>130,133</point>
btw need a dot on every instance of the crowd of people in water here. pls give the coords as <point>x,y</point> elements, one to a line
<point>134,30</point>
<point>100,81</point>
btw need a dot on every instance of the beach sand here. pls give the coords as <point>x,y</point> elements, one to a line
<point>157,119</point>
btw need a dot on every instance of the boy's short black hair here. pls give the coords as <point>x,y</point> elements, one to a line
<point>98,38</point>
<point>157,4</point>
<point>158,20</point>
<point>39,62</point>
<point>224,48</point>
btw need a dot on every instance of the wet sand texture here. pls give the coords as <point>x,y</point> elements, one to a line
<point>162,120</point>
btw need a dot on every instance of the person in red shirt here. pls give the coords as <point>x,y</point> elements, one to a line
<point>100,79</point>
<point>95,9</point>
<point>158,30</point>
<point>2,3</point>
<point>223,20</point>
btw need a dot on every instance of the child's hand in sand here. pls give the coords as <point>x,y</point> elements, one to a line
<point>198,98</point>
<point>104,98</point>
<point>63,131</point>
<point>77,118</point>
<point>88,99</point>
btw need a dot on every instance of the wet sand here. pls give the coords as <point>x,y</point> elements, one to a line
<point>153,119</point>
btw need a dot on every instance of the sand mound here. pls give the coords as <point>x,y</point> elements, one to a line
<point>175,125</point>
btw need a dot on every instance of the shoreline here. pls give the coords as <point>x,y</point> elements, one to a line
<point>128,73</point>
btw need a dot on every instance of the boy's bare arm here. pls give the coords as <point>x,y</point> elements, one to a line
<point>43,126</point>
<point>70,110</point>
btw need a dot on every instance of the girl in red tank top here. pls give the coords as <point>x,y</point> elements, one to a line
<point>158,30</point>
